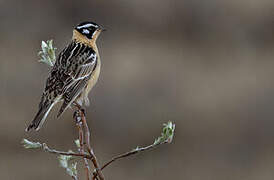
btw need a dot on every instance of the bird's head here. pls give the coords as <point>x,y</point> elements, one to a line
<point>87,31</point>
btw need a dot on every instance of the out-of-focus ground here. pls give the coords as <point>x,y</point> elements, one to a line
<point>205,65</point>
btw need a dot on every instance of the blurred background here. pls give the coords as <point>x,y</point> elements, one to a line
<point>205,65</point>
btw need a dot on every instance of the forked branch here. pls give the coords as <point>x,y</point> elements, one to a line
<point>80,115</point>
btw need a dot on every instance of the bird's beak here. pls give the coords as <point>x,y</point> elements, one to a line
<point>103,29</point>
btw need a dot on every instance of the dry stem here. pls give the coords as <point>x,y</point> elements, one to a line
<point>53,151</point>
<point>132,152</point>
<point>87,140</point>
<point>79,125</point>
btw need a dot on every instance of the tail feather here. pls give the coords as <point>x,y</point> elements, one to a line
<point>40,117</point>
<point>64,106</point>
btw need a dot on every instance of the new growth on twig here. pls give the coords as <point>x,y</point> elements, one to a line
<point>68,159</point>
<point>47,54</point>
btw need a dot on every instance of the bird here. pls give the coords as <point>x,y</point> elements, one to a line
<point>73,75</point>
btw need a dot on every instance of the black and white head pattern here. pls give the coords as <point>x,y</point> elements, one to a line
<point>87,28</point>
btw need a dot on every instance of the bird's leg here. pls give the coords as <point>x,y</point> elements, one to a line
<point>79,107</point>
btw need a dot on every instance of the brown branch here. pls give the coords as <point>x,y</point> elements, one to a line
<point>79,125</point>
<point>87,140</point>
<point>74,177</point>
<point>132,152</point>
<point>90,150</point>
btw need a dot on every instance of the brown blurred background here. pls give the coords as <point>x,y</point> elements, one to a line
<point>205,65</point>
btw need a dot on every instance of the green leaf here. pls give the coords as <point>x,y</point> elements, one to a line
<point>77,143</point>
<point>30,145</point>
<point>167,133</point>
<point>72,169</point>
<point>63,160</point>
<point>44,46</point>
<point>47,54</point>
<point>65,163</point>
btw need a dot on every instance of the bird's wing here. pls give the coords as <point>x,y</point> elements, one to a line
<point>67,79</point>
<point>80,62</point>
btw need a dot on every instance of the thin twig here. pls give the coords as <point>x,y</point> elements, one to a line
<point>74,177</point>
<point>94,177</point>
<point>53,151</point>
<point>132,152</point>
<point>79,125</point>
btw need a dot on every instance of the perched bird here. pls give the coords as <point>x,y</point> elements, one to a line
<point>73,75</point>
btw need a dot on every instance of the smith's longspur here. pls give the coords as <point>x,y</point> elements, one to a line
<point>73,75</point>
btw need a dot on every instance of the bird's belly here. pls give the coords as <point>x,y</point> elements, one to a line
<point>83,97</point>
<point>93,80</point>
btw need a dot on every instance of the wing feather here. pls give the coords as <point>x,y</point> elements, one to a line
<point>81,67</point>
<point>71,94</point>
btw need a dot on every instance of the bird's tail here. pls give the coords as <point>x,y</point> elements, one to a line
<point>40,117</point>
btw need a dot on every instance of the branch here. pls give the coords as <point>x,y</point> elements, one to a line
<point>82,116</point>
<point>166,137</point>
<point>35,145</point>
<point>69,153</point>
<point>79,125</point>
<point>132,152</point>
<point>64,157</point>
